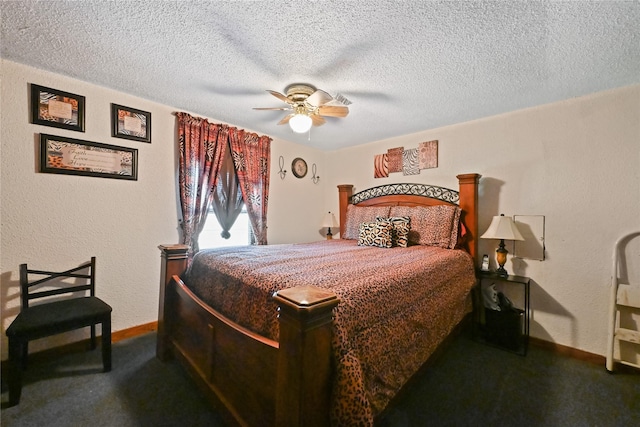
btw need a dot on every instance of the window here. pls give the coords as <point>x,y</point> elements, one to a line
<point>211,238</point>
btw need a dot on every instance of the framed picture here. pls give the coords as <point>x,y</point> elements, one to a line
<point>52,107</point>
<point>76,157</point>
<point>129,123</point>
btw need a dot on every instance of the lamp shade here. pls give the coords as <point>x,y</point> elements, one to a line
<point>502,227</point>
<point>329,220</point>
<point>300,123</point>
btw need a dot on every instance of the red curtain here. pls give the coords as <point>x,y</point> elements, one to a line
<point>202,147</point>
<point>252,157</point>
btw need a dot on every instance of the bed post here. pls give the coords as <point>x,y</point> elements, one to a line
<point>345,191</point>
<point>303,387</point>
<point>468,184</point>
<point>174,261</point>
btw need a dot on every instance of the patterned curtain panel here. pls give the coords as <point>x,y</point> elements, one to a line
<point>227,197</point>
<point>202,147</point>
<point>252,157</point>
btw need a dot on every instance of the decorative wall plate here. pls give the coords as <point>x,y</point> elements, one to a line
<point>299,167</point>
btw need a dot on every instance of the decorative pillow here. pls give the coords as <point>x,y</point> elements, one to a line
<point>463,236</point>
<point>401,225</point>
<point>375,234</point>
<point>431,225</point>
<point>356,215</point>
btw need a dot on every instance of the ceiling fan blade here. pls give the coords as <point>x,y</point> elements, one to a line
<point>280,96</point>
<point>286,119</point>
<point>317,120</point>
<point>340,98</point>
<point>333,110</point>
<point>319,97</point>
<point>272,108</point>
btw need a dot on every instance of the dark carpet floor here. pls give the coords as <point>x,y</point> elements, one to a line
<point>470,384</point>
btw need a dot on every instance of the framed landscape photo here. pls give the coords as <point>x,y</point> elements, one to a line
<point>130,123</point>
<point>76,157</point>
<point>56,108</point>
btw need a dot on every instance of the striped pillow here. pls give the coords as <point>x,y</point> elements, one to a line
<point>401,225</point>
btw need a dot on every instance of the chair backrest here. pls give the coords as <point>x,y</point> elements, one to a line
<point>31,290</point>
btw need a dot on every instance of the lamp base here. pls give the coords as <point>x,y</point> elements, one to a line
<point>329,235</point>
<point>500,271</point>
<point>501,257</point>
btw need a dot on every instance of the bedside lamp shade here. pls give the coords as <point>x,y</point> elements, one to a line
<point>502,228</point>
<point>329,221</point>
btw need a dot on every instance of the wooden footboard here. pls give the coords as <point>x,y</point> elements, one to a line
<point>251,379</point>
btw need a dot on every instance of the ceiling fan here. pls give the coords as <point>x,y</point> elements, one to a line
<point>308,106</point>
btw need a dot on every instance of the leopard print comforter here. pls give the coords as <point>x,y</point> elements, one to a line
<point>397,305</point>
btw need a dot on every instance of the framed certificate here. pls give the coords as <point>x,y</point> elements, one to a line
<point>69,156</point>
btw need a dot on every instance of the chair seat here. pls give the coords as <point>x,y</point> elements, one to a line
<point>60,316</point>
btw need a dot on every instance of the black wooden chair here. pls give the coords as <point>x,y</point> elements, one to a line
<point>55,315</point>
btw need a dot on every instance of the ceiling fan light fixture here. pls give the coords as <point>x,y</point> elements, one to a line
<point>308,107</point>
<point>300,123</point>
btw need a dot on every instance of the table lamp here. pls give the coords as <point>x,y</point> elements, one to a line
<point>503,228</point>
<point>329,221</point>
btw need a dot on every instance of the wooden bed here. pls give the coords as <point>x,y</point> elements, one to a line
<point>257,381</point>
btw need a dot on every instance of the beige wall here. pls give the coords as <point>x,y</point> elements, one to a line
<point>576,162</point>
<point>58,221</point>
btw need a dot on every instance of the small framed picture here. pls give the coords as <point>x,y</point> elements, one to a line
<point>56,108</point>
<point>130,123</point>
<point>485,263</point>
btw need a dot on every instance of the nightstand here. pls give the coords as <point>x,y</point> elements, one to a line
<point>506,328</point>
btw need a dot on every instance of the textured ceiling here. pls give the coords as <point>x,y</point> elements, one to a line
<point>407,66</point>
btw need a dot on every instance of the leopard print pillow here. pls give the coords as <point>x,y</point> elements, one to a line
<point>356,215</point>
<point>431,225</point>
<point>401,225</point>
<point>375,234</point>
